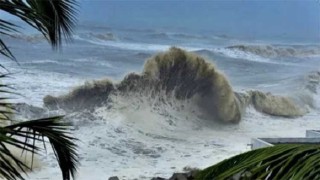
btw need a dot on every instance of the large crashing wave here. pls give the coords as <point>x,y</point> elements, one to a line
<point>278,50</point>
<point>176,73</point>
<point>182,77</point>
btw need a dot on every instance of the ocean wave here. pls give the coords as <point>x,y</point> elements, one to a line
<point>177,74</point>
<point>190,36</point>
<point>40,61</point>
<point>108,36</point>
<point>132,45</point>
<point>182,80</point>
<point>160,35</point>
<point>243,55</point>
<point>180,36</point>
<point>104,36</point>
<point>312,81</point>
<point>276,105</point>
<point>273,51</point>
<point>32,38</point>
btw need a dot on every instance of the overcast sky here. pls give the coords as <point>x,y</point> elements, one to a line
<point>266,17</point>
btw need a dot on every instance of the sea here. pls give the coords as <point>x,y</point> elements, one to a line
<point>136,136</point>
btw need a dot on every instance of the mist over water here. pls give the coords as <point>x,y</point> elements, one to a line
<point>139,116</point>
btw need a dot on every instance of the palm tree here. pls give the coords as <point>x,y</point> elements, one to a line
<point>286,161</point>
<point>55,19</point>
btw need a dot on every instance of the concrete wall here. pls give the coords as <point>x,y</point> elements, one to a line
<point>312,134</point>
<point>266,142</point>
<point>257,143</point>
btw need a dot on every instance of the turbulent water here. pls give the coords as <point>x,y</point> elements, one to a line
<point>142,109</point>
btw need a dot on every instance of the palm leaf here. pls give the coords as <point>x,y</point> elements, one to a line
<point>24,136</point>
<point>5,51</point>
<point>55,19</point>
<point>56,131</point>
<point>288,161</point>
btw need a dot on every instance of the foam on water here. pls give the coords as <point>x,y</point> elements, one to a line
<point>33,85</point>
<point>176,72</point>
<point>271,51</point>
<point>138,142</point>
<point>242,55</point>
<point>133,46</point>
<point>140,135</point>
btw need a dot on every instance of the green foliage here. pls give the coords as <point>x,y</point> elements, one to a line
<point>55,19</point>
<point>26,136</point>
<point>287,161</point>
<point>57,133</point>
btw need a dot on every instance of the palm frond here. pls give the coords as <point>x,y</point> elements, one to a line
<point>57,133</point>
<point>55,19</point>
<point>6,27</point>
<point>10,165</point>
<point>26,137</point>
<point>290,161</point>
<point>5,51</point>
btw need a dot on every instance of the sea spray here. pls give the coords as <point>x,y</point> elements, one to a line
<point>273,51</point>
<point>189,76</point>
<point>179,76</point>
<point>184,75</point>
<point>87,96</point>
<point>275,105</point>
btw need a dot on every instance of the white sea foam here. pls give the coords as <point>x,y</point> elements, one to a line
<point>133,46</point>
<point>242,55</point>
<point>136,138</point>
<point>33,85</point>
<point>132,142</point>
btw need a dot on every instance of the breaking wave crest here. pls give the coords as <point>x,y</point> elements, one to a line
<point>273,104</point>
<point>98,36</point>
<point>182,36</point>
<point>176,73</point>
<point>32,38</point>
<point>278,50</point>
<point>182,80</point>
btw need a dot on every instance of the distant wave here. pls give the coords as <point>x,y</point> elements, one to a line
<point>272,51</point>
<point>243,55</point>
<point>190,36</point>
<point>33,38</point>
<point>312,81</point>
<point>108,36</point>
<point>42,61</point>
<point>181,36</point>
<point>181,80</point>
<point>163,36</point>
<point>131,45</point>
<point>105,36</point>
<point>204,51</point>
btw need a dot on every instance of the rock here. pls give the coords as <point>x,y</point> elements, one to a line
<point>158,178</point>
<point>188,174</point>
<point>179,176</point>
<point>113,178</point>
